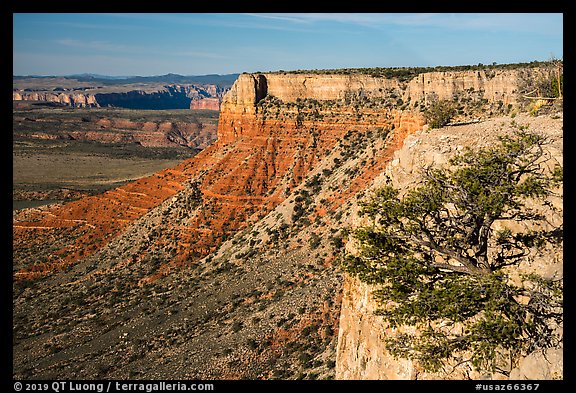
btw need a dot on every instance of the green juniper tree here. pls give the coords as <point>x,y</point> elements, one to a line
<point>439,265</point>
<point>439,113</point>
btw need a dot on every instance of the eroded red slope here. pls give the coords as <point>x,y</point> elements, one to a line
<point>241,177</point>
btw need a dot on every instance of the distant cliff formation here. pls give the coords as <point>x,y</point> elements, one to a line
<point>74,99</point>
<point>280,96</point>
<point>212,104</point>
<point>165,97</point>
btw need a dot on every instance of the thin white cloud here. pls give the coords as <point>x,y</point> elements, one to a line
<point>196,54</point>
<point>94,45</point>
<point>104,46</point>
<point>296,18</point>
<point>521,22</point>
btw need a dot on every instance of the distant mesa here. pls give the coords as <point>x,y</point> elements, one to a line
<point>170,91</point>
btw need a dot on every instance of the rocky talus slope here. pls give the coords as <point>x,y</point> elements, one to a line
<point>222,267</point>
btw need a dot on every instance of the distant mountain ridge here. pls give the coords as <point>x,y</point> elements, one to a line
<point>170,91</point>
<point>225,80</point>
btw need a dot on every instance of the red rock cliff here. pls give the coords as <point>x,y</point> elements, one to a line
<point>273,129</point>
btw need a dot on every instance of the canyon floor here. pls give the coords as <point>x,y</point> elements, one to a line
<point>60,153</point>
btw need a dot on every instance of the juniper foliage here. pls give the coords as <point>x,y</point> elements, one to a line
<point>440,266</point>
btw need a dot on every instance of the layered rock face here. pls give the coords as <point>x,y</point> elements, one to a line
<point>77,100</point>
<point>293,99</point>
<point>495,85</point>
<point>212,104</point>
<point>286,96</point>
<point>165,97</point>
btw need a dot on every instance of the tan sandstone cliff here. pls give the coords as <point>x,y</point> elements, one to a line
<point>80,100</point>
<point>153,96</point>
<point>361,352</point>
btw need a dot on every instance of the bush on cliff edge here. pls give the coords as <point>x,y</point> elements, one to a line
<point>441,267</point>
<point>439,113</point>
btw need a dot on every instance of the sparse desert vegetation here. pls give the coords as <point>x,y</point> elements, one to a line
<point>224,266</point>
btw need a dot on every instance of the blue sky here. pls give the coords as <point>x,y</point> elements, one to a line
<point>221,43</point>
